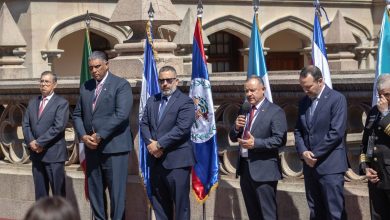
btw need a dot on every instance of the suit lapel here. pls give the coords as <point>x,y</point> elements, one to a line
<point>321,102</point>
<point>171,101</point>
<point>307,104</point>
<point>36,108</point>
<point>49,104</point>
<point>155,109</point>
<point>259,115</point>
<point>103,92</point>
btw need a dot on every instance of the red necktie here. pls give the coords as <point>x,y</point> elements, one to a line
<point>249,123</point>
<point>42,106</point>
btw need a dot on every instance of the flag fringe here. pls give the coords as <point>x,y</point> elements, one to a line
<point>150,40</point>
<point>201,201</point>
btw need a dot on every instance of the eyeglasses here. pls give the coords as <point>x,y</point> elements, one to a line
<point>168,80</point>
<point>45,82</point>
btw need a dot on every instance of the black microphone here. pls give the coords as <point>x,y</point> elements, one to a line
<point>244,110</point>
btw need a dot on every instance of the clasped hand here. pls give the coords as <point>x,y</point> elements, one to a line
<point>91,141</point>
<point>154,150</point>
<point>309,158</point>
<point>35,147</point>
<point>372,175</point>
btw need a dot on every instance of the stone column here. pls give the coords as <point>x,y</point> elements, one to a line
<point>11,54</point>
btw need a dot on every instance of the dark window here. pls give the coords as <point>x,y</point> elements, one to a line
<point>223,52</point>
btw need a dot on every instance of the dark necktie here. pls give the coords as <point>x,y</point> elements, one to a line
<point>164,101</point>
<point>42,106</point>
<point>312,108</point>
<point>249,122</point>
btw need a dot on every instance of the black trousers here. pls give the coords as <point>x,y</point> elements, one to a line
<point>379,202</point>
<point>48,174</point>
<point>259,197</point>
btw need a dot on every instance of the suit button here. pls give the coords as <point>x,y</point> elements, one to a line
<point>376,138</point>
<point>379,128</point>
<point>375,148</point>
<point>375,159</point>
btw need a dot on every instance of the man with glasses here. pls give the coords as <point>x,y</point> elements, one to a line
<point>102,122</point>
<point>166,129</point>
<point>375,152</point>
<point>44,126</point>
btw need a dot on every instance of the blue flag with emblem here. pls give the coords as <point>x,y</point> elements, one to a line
<point>257,65</point>
<point>205,171</point>
<point>149,88</point>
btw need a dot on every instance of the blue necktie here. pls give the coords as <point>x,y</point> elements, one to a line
<point>312,108</point>
<point>164,101</point>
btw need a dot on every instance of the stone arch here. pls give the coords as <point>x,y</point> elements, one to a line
<point>231,24</point>
<point>292,23</point>
<point>99,24</point>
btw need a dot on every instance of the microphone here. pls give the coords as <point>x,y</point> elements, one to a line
<point>245,109</point>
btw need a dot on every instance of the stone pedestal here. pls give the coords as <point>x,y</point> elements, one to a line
<point>130,64</point>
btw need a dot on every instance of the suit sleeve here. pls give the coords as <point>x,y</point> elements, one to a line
<point>144,124</point>
<point>182,129</point>
<point>123,106</point>
<point>77,117</point>
<point>27,132</point>
<point>337,127</point>
<point>298,135</point>
<point>59,124</point>
<point>278,133</point>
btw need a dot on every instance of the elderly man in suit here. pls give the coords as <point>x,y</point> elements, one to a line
<point>320,142</point>
<point>166,128</point>
<point>102,122</point>
<point>44,125</point>
<point>375,152</point>
<point>260,134</point>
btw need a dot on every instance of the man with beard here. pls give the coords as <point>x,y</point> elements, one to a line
<point>166,129</point>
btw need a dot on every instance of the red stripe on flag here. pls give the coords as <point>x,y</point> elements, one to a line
<point>197,186</point>
<point>199,39</point>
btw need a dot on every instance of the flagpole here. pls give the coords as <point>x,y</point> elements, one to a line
<point>199,16</point>
<point>151,18</point>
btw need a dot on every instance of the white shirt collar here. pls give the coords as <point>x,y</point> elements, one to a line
<point>103,80</point>
<point>49,96</point>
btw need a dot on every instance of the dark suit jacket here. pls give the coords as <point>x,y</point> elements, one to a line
<point>48,130</point>
<point>324,136</point>
<point>270,132</point>
<point>174,130</point>
<point>111,117</point>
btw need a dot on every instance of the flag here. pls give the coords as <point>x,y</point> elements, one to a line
<point>84,76</point>
<point>149,88</point>
<point>318,50</point>
<point>205,171</point>
<point>382,65</point>
<point>257,65</point>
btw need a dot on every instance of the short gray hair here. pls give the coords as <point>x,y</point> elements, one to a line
<point>383,82</point>
<point>54,76</point>
<point>256,77</point>
<point>98,55</point>
<point>168,69</point>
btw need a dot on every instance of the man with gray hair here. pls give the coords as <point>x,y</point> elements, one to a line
<point>101,119</point>
<point>375,152</point>
<point>44,124</point>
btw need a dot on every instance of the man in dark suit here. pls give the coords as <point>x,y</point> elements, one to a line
<point>260,133</point>
<point>44,126</point>
<point>375,155</point>
<point>166,128</point>
<point>101,119</point>
<point>319,140</point>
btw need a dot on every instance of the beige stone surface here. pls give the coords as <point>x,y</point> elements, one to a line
<point>10,34</point>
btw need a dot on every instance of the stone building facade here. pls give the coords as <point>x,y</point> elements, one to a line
<point>48,35</point>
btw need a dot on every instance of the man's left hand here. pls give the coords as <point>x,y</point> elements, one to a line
<point>247,143</point>
<point>383,105</point>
